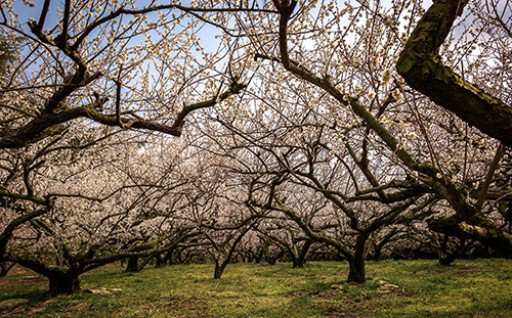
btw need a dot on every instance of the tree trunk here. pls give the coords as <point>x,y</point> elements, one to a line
<point>250,257</point>
<point>301,259</point>
<point>447,259</point>
<point>377,252</point>
<point>259,256</point>
<point>295,262</point>
<point>269,256</point>
<point>133,265</point>
<point>495,237</point>
<point>5,267</point>
<point>145,261</point>
<point>357,272</point>
<point>168,258</point>
<point>64,283</point>
<point>219,269</point>
<point>160,261</point>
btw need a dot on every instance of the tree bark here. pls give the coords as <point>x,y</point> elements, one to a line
<point>160,261</point>
<point>420,65</point>
<point>50,123</point>
<point>296,263</point>
<point>271,257</point>
<point>63,283</point>
<point>219,269</point>
<point>495,237</point>
<point>258,256</point>
<point>301,259</point>
<point>133,265</point>
<point>377,252</point>
<point>9,229</point>
<point>357,272</point>
<point>447,259</point>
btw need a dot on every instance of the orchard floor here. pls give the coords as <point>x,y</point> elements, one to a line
<point>419,288</point>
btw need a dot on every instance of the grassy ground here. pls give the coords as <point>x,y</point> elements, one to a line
<point>481,288</point>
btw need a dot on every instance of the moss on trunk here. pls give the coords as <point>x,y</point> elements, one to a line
<point>421,67</point>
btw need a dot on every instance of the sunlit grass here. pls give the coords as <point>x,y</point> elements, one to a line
<point>481,288</point>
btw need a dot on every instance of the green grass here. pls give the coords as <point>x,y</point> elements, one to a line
<point>481,288</point>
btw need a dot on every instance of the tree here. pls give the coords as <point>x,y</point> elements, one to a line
<point>112,63</point>
<point>348,226</point>
<point>344,84</point>
<point>288,236</point>
<point>220,213</point>
<point>110,203</point>
<point>292,161</point>
<point>326,135</point>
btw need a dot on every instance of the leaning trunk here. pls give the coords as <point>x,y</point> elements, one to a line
<point>292,252</point>
<point>219,269</point>
<point>301,259</point>
<point>420,65</point>
<point>64,283</point>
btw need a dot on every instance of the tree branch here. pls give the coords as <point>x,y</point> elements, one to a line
<point>421,67</point>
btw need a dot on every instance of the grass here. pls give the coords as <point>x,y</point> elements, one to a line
<point>481,288</point>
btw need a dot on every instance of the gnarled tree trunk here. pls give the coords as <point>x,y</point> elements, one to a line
<point>357,272</point>
<point>63,283</point>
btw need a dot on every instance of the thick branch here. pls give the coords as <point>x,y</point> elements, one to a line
<point>51,124</point>
<point>419,64</point>
<point>421,67</point>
